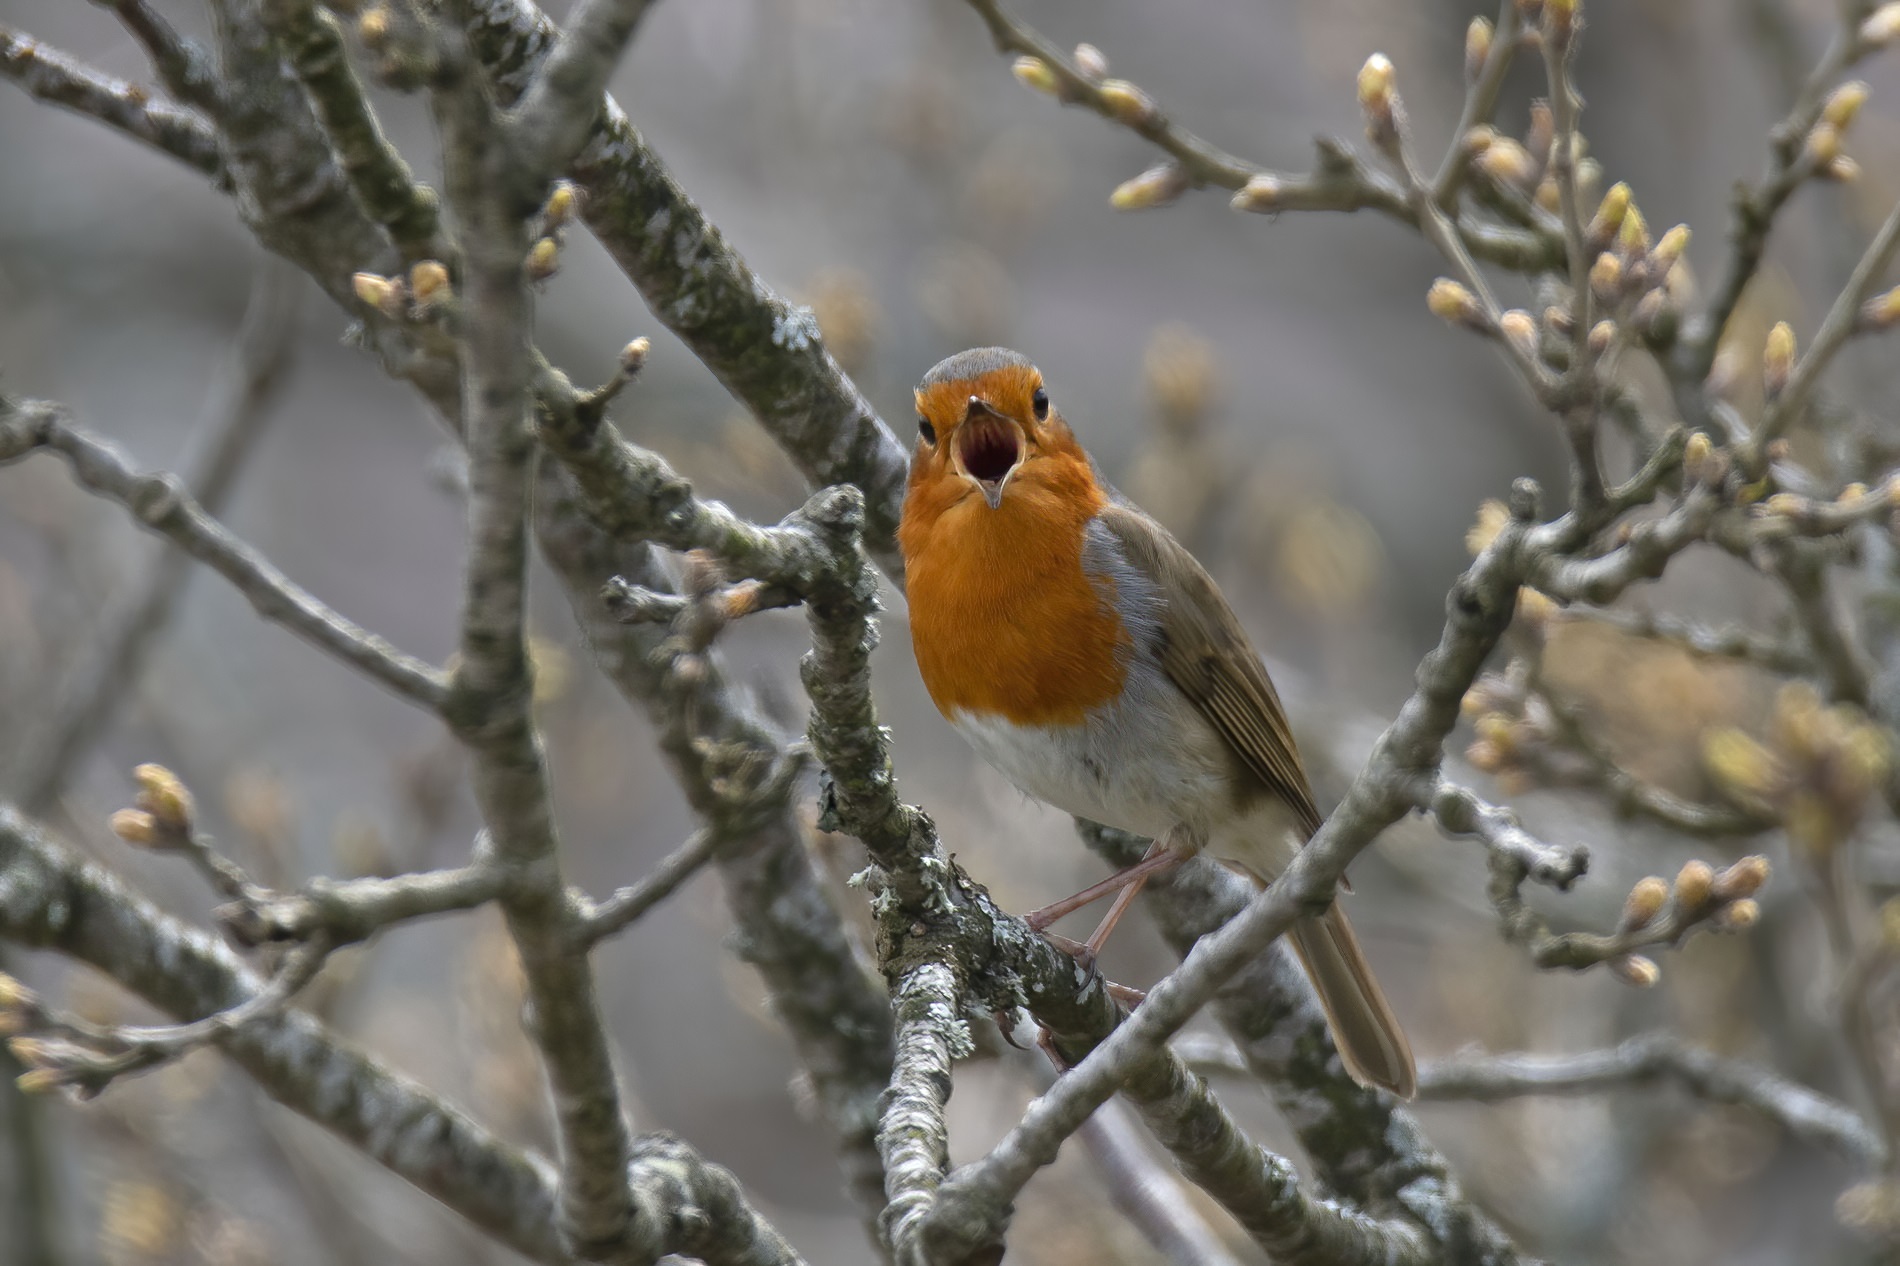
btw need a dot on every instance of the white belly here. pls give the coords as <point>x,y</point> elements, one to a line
<point>1149,764</point>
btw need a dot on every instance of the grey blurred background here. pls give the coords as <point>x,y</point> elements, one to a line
<point>879,162</point>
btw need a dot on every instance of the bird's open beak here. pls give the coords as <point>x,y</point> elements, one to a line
<point>989,448</point>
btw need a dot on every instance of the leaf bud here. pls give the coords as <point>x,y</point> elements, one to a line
<point>1744,878</point>
<point>1156,187</point>
<point>429,283</point>
<point>1507,163</point>
<point>372,27</point>
<point>1260,193</point>
<point>163,795</point>
<point>1693,883</point>
<point>1452,302</point>
<point>1881,26</point>
<point>1517,326</point>
<point>1777,359</point>
<point>1644,903</point>
<point>1606,277</point>
<point>1379,101</point>
<point>560,205</point>
<point>1478,38</point>
<point>1634,969</point>
<point>1823,145</point>
<point>633,357</point>
<point>1843,104</point>
<point>1609,216</point>
<point>1669,249</point>
<point>1882,310</point>
<point>1036,73</point>
<point>135,826</point>
<point>1126,103</point>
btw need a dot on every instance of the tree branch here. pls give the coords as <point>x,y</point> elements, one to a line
<point>48,75</point>
<point>160,503</point>
<point>1655,1057</point>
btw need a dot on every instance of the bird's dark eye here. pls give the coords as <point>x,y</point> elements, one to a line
<point>1040,402</point>
<point>928,431</point>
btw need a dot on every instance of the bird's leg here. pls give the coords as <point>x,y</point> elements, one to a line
<point>1106,928</point>
<point>1157,858</point>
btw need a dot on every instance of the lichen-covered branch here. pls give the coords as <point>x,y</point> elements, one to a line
<point>913,1137</point>
<point>562,102</point>
<point>160,503</point>
<point>48,75</point>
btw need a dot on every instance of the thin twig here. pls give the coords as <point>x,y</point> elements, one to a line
<point>1653,1057</point>
<point>597,921</point>
<point>234,417</point>
<point>1840,324</point>
<point>160,503</point>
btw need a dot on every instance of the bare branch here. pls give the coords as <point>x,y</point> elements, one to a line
<point>1460,811</point>
<point>160,503</point>
<point>1341,182</point>
<point>234,418</point>
<point>1651,1058</point>
<point>735,773</point>
<point>618,912</point>
<point>1363,1146</point>
<point>1734,641</point>
<point>491,692</point>
<point>88,1057</point>
<point>1756,208</point>
<point>49,75</point>
<point>1840,324</point>
<point>345,911</point>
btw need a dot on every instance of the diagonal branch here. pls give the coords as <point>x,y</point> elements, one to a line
<point>240,404</point>
<point>160,503</point>
<point>48,75</point>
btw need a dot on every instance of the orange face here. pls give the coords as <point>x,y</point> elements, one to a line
<point>990,435</point>
<point>1003,617</point>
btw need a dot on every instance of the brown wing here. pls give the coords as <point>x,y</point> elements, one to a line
<point>1206,653</point>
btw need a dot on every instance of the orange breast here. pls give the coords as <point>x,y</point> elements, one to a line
<point>1003,619</point>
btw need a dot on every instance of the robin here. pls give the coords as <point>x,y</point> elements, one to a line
<point>1087,656</point>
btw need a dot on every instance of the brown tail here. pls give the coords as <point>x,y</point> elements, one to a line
<point>1368,1035</point>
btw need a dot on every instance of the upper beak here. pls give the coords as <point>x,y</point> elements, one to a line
<point>989,448</point>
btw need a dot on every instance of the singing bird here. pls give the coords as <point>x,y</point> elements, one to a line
<point>1087,656</point>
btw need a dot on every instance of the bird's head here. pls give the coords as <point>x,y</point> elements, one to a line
<point>985,428</point>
